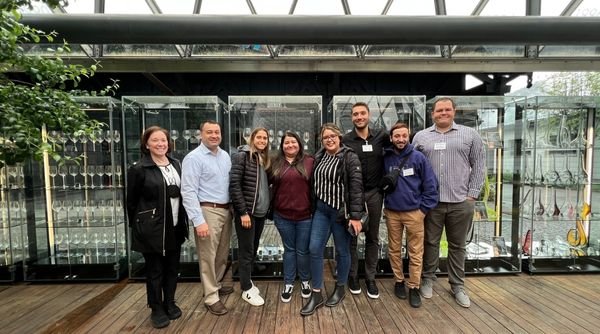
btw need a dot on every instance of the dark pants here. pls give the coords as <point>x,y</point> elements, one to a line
<point>374,201</point>
<point>248,241</point>
<point>161,276</point>
<point>457,219</point>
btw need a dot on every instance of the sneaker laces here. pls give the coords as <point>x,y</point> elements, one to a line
<point>305,285</point>
<point>288,288</point>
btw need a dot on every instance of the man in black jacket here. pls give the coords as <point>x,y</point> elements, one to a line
<point>368,144</point>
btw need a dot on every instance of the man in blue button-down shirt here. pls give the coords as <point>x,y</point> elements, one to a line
<point>205,193</point>
<point>457,157</point>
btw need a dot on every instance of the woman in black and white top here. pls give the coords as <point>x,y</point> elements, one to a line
<point>158,221</point>
<point>337,184</point>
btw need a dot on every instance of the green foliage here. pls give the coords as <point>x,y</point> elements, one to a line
<point>573,84</point>
<point>43,100</point>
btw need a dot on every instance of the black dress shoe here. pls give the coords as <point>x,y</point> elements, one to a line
<point>414,297</point>
<point>159,317</point>
<point>400,290</point>
<point>173,311</point>
<point>337,296</point>
<point>315,301</point>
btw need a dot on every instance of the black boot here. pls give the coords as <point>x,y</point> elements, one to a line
<point>173,311</point>
<point>414,298</point>
<point>337,296</point>
<point>159,317</point>
<point>315,301</point>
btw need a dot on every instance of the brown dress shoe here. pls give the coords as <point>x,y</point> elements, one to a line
<point>217,308</point>
<point>226,290</point>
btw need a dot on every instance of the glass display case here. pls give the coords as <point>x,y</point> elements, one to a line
<point>75,218</point>
<point>493,241</point>
<point>300,114</point>
<point>560,223</point>
<point>385,111</point>
<point>182,117</point>
<point>13,244</point>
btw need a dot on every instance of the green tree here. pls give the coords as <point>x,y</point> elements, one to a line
<point>573,84</point>
<point>45,98</point>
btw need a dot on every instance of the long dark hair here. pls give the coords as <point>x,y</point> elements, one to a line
<point>298,163</point>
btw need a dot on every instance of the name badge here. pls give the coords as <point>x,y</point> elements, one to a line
<point>408,172</point>
<point>367,148</point>
<point>439,146</point>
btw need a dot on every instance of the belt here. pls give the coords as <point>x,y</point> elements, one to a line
<point>215,205</point>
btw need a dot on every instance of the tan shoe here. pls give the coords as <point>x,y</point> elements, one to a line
<point>217,308</point>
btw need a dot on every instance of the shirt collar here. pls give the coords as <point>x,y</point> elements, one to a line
<point>433,128</point>
<point>205,149</point>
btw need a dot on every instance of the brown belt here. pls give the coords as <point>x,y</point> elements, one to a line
<point>215,205</point>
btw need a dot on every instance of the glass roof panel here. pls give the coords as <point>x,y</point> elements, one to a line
<point>412,8</point>
<point>319,7</point>
<point>225,7</point>
<point>570,51</point>
<point>126,7</point>
<point>270,7</point>
<point>42,50</point>
<point>460,7</point>
<point>488,51</point>
<point>553,7</point>
<point>80,7</point>
<point>504,8</point>
<point>176,7</point>
<point>316,50</point>
<point>139,50</point>
<point>588,8</point>
<point>232,50</point>
<point>404,51</point>
<point>361,7</point>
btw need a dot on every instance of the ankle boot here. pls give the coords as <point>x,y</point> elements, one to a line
<point>315,301</point>
<point>159,317</point>
<point>173,311</point>
<point>337,296</point>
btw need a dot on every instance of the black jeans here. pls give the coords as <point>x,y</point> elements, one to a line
<point>248,241</point>
<point>161,276</point>
<point>374,200</point>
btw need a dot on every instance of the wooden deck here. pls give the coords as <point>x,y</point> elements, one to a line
<point>499,304</point>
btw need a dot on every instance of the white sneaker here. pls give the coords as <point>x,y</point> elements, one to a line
<point>286,294</point>
<point>252,296</point>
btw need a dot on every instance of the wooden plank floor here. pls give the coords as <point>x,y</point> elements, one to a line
<point>499,304</point>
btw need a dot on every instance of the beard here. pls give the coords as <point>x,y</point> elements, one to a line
<point>361,127</point>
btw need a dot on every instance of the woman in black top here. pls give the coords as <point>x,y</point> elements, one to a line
<point>337,186</point>
<point>249,194</point>
<point>158,221</point>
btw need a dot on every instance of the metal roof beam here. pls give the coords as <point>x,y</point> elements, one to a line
<point>334,29</point>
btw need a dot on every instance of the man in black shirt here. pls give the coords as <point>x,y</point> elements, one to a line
<point>368,144</point>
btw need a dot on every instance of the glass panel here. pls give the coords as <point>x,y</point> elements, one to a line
<point>270,7</point>
<point>319,7</point>
<point>80,7</point>
<point>360,7</point>
<point>225,7</point>
<point>126,7</point>
<point>553,7</point>
<point>132,50</point>
<point>176,7</point>
<point>588,8</point>
<point>42,49</point>
<point>504,8</point>
<point>246,50</point>
<point>404,50</point>
<point>385,111</point>
<point>488,51</point>
<point>460,7</point>
<point>317,50</point>
<point>412,8</point>
<point>570,51</point>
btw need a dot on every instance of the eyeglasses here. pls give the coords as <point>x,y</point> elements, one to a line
<point>332,138</point>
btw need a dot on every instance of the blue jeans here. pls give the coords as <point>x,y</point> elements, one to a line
<point>324,223</point>
<point>295,235</point>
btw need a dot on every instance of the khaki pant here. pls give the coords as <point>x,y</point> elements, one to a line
<point>415,234</point>
<point>213,251</point>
